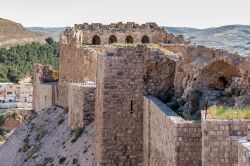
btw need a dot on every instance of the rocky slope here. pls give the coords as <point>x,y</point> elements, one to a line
<point>45,139</point>
<point>235,38</point>
<point>12,33</point>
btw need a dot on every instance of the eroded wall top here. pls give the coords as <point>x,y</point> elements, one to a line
<point>130,32</point>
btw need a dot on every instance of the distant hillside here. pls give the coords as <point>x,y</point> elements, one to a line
<point>235,38</point>
<point>54,31</point>
<point>12,33</point>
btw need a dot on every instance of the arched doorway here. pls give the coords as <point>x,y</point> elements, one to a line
<point>96,40</point>
<point>112,39</point>
<point>145,39</point>
<point>129,40</point>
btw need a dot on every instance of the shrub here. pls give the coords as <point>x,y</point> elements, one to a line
<point>166,98</point>
<point>61,160</point>
<point>174,106</point>
<point>2,118</point>
<point>47,160</point>
<point>25,145</point>
<point>40,135</point>
<point>194,98</point>
<point>78,133</point>
<point>60,121</point>
<point>75,161</point>
<point>2,132</point>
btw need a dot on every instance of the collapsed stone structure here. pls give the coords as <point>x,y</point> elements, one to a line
<point>109,74</point>
<point>44,87</point>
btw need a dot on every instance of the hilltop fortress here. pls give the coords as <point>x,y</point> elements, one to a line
<point>120,76</point>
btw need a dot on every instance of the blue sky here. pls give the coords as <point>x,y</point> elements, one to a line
<point>183,13</point>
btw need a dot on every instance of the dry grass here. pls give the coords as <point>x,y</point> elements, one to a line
<point>12,33</point>
<point>155,46</point>
<point>164,50</point>
<point>225,112</point>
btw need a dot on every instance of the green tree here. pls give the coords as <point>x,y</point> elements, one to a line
<point>49,40</point>
<point>17,62</point>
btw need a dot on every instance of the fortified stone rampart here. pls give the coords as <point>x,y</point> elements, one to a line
<point>125,75</point>
<point>167,138</point>
<point>99,34</point>
<point>44,87</point>
<point>81,105</point>
<point>77,65</point>
<point>220,141</point>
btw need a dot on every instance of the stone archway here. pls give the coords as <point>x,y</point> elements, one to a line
<point>218,75</point>
<point>129,40</point>
<point>112,39</point>
<point>145,39</point>
<point>96,40</point>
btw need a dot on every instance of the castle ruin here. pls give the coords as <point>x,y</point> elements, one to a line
<point>118,76</point>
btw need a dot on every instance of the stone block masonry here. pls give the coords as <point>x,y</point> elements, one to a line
<point>220,140</point>
<point>81,105</point>
<point>167,138</point>
<point>44,94</point>
<point>77,65</point>
<point>125,75</point>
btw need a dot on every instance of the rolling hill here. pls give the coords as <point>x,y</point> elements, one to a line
<point>12,33</point>
<point>52,32</point>
<point>235,38</point>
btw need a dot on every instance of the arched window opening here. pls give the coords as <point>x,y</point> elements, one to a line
<point>129,40</point>
<point>112,39</point>
<point>96,40</point>
<point>145,39</point>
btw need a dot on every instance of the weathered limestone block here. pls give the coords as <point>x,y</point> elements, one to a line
<point>44,93</point>
<point>125,74</point>
<point>77,65</point>
<point>81,105</point>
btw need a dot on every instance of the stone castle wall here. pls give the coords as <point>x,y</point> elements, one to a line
<point>220,141</point>
<point>77,65</point>
<point>125,75</point>
<point>167,138</point>
<point>117,33</point>
<point>44,94</point>
<point>81,105</point>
